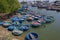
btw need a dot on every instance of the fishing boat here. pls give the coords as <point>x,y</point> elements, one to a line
<point>36,18</point>
<point>1,22</point>
<point>40,20</point>
<point>21,20</point>
<point>15,18</point>
<point>35,24</point>
<point>17,32</point>
<point>24,28</point>
<point>11,28</point>
<point>29,19</point>
<point>32,36</point>
<point>48,20</point>
<point>6,24</point>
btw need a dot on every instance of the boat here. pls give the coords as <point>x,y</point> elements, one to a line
<point>40,20</point>
<point>15,23</point>
<point>23,13</point>
<point>35,24</point>
<point>15,18</point>
<point>24,28</point>
<point>21,20</point>
<point>17,32</point>
<point>48,20</point>
<point>11,28</point>
<point>1,22</point>
<point>29,19</point>
<point>25,17</point>
<point>51,17</point>
<point>6,24</point>
<point>32,36</point>
<point>36,18</point>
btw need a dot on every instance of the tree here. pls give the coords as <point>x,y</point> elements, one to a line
<point>8,6</point>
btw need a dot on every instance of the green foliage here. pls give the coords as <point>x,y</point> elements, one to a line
<point>7,6</point>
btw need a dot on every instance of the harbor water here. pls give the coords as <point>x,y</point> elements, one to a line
<point>48,31</point>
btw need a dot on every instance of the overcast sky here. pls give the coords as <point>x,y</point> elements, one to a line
<point>35,0</point>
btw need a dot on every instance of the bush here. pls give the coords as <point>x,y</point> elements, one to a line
<point>8,6</point>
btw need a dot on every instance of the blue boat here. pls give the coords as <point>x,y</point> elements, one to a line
<point>11,28</point>
<point>48,20</point>
<point>24,27</point>
<point>31,36</point>
<point>25,17</point>
<point>15,18</point>
<point>15,23</point>
<point>36,18</point>
<point>1,23</point>
<point>21,20</point>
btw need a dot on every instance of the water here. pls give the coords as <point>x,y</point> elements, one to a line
<point>49,31</point>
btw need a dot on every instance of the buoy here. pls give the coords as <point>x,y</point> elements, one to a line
<point>32,36</point>
<point>17,32</point>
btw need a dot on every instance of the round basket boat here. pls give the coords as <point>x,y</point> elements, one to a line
<point>48,20</point>
<point>15,23</point>
<point>32,36</point>
<point>35,24</point>
<point>23,13</point>
<point>1,23</point>
<point>25,17</point>
<point>15,18</point>
<point>51,17</point>
<point>24,28</point>
<point>17,32</point>
<point>40,20</point>
<point>11,28</point>
<point>6,24</point>
<point>21,20</point>
<point>36,18</point>
<point>29,19</point>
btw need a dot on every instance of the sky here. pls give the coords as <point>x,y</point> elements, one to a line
<point>35,0</point>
